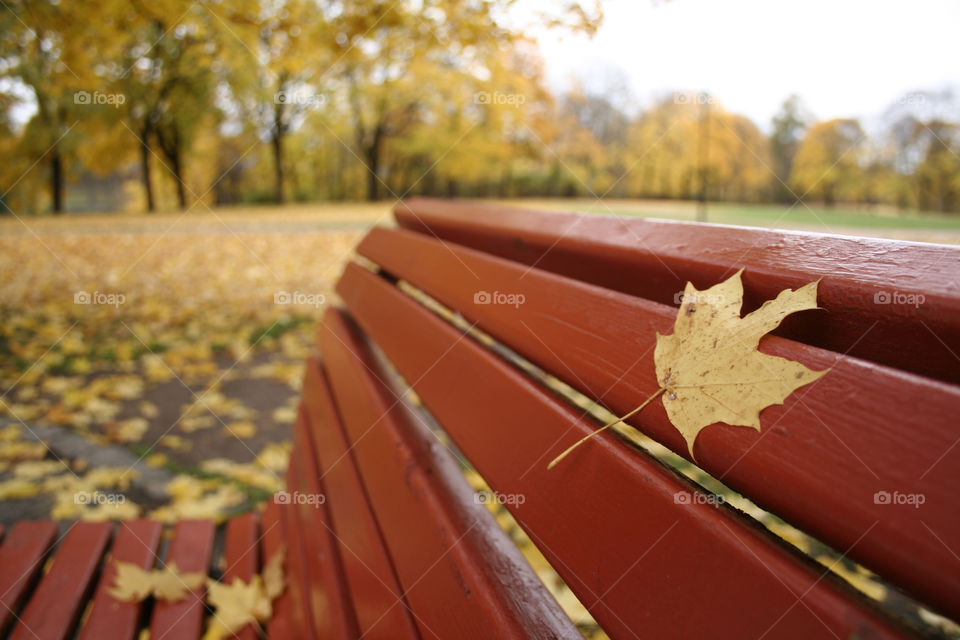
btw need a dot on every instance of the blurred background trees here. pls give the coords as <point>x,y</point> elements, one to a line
<point>175,104</point>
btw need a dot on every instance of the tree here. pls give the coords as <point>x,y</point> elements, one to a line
<point>789,125</point>
<point>43,51</point>
<point>390,55</point>
<point>828,161</point>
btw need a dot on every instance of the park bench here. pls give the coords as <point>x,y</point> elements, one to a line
<point>475,308</point>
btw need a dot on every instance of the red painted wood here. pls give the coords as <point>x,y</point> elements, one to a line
<point>296,564</point>
<point>242,557</point>
<point>329,594</point>
<point>272,540</point>
<point>461,574</point>
<point>190,549</point>
<point>21,557</point>
<point>136,542</point>
<point>654,258</point>
<point>641,559</point>
<point>378,599</point>
<point>56,605</point>
<point>822,456</point>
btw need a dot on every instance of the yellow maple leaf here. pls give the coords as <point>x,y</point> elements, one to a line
<point>273,580</point>
<point>133,584</point>
<point>709,368</point>
<point>236,605</point>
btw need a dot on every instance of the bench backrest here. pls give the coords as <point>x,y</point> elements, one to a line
<point>405,550</point>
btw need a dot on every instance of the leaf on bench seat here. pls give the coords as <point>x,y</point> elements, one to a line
<point>274,581</point>
<point>133,584</point>
<point>709,368</point>
<point>241,603</point>
<point>236,605</point>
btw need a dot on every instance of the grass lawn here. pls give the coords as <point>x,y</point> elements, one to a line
<point>929,227</point>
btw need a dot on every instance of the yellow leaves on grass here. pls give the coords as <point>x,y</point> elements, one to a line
<point>192,498</point>
<point>709,367</point>
<point>134,584</point>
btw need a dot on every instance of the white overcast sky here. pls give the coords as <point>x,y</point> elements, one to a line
<point>846,58</point>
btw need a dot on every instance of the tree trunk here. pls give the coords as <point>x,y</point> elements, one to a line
<point>278,177</point>
<point>170,145</point>
<point>56,180</point>
<point>277,141</point>
<point>373,162</point>
<point>373,165</point>
<point>178,174</point>
<point>145,168</point>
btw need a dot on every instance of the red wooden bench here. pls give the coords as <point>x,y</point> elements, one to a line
<point>398,546</point>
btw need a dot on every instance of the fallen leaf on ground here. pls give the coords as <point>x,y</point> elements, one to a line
<point>241,429</point>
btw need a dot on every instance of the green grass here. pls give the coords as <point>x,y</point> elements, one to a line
<point>842,219</point>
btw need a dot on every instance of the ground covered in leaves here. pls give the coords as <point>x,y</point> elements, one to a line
<point>179,339</point>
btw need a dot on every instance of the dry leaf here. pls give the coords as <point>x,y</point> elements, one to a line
<point>273,580</point>
<point>240,603</point>
<point>236,605</point>
<point>709,367</point>
<point>241,429</point>
<point>133,584</point>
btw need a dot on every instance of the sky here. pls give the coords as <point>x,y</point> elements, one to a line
<point>846,58</point>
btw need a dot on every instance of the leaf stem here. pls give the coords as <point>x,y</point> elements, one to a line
<point>605,427</point>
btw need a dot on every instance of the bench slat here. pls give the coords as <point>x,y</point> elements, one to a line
<point>654,258</point>
<point>330,604</point>
<point>821,457</point>
<point>461,574</point>
<point>242,557</point>
<point>191,549</point>
<point>21,557</point>
<point>54,608</point>
<point>610,524</point>
<point>272,540</point>
<point>298,586</point>
<point>136,542</point>
<point>370,573</point>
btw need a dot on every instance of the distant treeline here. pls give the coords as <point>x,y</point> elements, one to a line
<point>176,103</point>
